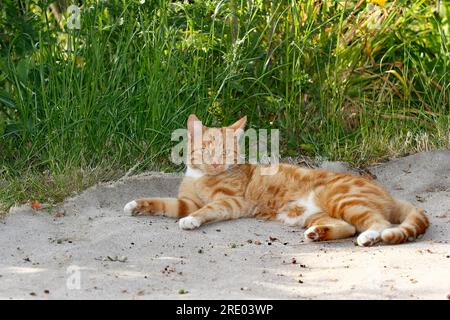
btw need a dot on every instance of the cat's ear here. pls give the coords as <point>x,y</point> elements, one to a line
<point>190,124</point>
<point>240,124</point>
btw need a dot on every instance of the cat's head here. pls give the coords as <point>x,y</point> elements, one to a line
<point>213,150</point>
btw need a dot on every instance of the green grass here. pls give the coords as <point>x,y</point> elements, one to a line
<point>334,85</point>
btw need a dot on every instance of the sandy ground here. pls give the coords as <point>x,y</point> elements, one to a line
<point>95,251</point>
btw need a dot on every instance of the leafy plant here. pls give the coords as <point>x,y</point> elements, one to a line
<point>347,80</point>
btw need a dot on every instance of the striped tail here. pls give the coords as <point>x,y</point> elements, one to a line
<point>413,223</point>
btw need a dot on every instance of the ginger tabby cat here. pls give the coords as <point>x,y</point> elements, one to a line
<point>330,205</point>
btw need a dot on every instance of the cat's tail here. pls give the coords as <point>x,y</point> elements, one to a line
<point>413,223</point>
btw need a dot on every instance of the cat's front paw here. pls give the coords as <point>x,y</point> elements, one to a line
<point>132,208</point>
<point>316,233</point>
<point>189,223</point>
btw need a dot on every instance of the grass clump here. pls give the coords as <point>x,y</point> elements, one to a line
<point>347,80</point>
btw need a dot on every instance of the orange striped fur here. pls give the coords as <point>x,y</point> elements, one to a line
<point>330,205</point>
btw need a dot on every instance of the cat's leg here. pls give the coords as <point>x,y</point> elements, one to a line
<point>218,210</point>
<point>323,227</point>
<point>372,230</point>
<point>170,207</point>
<point>368,221</point>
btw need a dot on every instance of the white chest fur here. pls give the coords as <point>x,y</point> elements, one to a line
<point>193,173</point>
<point>309,208</point>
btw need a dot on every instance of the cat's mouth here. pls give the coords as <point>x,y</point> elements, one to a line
<point>215,169</point>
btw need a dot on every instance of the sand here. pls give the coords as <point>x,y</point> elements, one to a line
<point>95,251</point>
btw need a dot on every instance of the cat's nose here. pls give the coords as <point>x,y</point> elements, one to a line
<point>215,163</point>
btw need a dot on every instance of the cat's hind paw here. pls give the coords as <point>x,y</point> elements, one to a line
<point>189,223</point>
<point>368,238</point>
